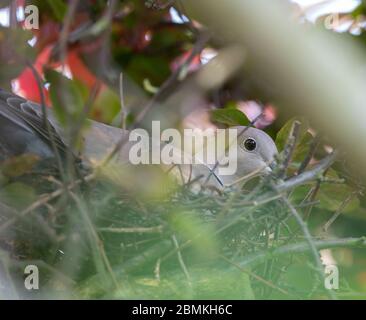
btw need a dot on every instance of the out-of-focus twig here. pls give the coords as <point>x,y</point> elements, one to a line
<point>255,276</point>
<point>77,126</point>
<point>301,247</point>
<point>13,22</point>
<point>67,21</point>
<point>174,77</point>
<point>122,102</point>
<point>43,200</point>
<point>46,123</point>
<point>181,261</point>
<point>310,154</point>
<point>157,229</point>
<point>309,174</point>
<point>94,237</point>
<point>309,239</point>
<point>344,203</point>
<point>289,149</point>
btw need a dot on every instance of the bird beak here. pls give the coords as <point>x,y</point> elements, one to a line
<point>267,170</point>
<point>272,165</point>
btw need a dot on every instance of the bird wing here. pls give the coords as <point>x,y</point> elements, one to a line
<point>28,116</point>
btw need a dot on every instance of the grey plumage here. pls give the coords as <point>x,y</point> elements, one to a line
<point>23,130</point>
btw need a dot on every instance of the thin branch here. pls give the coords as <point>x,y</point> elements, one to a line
<point>86,110</point>
<point>154,4</point>
<point>44,199</point>
<point>174,77</point>
<point>95,238</point>
<point>255,276</point>
<point>313,249</point>
<point>115,150</point>
<point>248,176</point>
<point>45,119</point>
<point>309,155</point>
<point>122,102</point>
<point>181,261</point>
<point>344,203</point>
<point>157,269</point>
<point>157,229</point>
<point>289,149</point>
<point>66,28</point>
<point>301,247</point>
<point>13,21</point>
<point>309,174</point>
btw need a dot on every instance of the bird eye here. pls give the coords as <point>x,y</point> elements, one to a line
<point>250,144</point>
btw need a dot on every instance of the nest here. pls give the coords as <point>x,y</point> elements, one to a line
<point>92,239</point>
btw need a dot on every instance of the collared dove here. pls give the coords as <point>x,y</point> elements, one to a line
<point>23,131</point>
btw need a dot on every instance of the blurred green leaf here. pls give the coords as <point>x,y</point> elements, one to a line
<point>106,106</point>
<point>66,96</point>
<point>332,195</point>
<point>59,8</point>
<point>205,283</point>
<point>189,228</point>
<point>283,134</point>
<point>230,117</point>
<point>14,52</point>
<point>155,68</point>
<point>18,195</point>
<point>17,166</point>
<point>301,277</point>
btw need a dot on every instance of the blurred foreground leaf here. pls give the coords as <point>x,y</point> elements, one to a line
<point>66,96</point>
<point>18,195</point>
<point>17,166</point>
<point>283,134</point>
<point>205,283</point>
<point>230,117</point>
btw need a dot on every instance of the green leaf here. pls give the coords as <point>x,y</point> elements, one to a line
<point>302,147</point>
<point>332,196</point>
<point>188,226</point>
<point>106,106</point>
<point>231,104</point>
<point>19,165</point>
<point>284,132</point>
<point>18,195</point>
<point>206,283</point>
<point>230,117</point>
<point>66,96</point>
<point>155,68</point>
<point>58,8</point>
<point>14,48</point>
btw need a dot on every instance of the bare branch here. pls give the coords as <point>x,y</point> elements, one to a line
<point>301,247</point>
<point>157,229</point>
<point>181,261</point>
<point>66,28</point>
<point>334,217</point>
<point>289,149</point>
<point>309,155</point>
<point>309,239</point>
<point>308,175</point>
<point>43,200</point>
